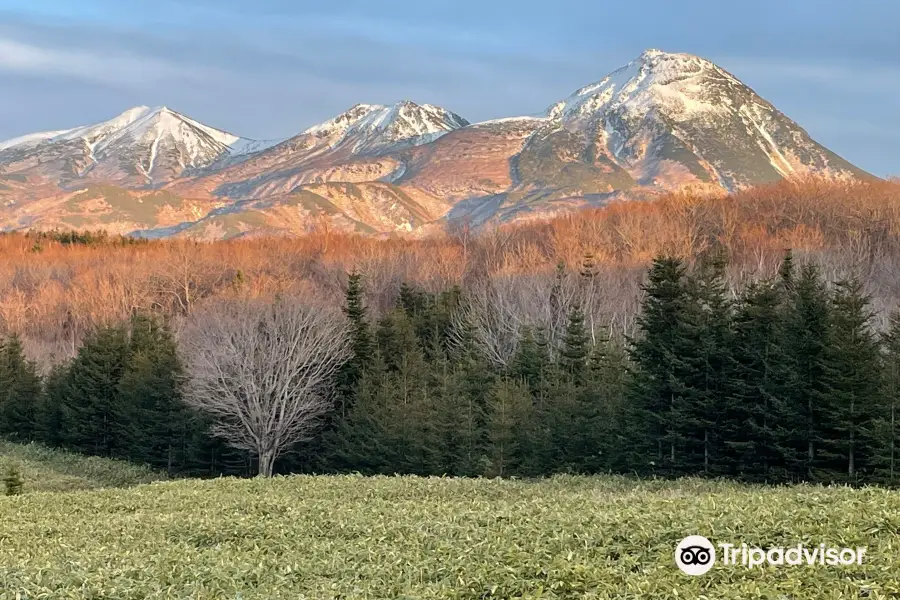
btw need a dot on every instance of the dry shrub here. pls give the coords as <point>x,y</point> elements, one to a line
<point>54,295</point>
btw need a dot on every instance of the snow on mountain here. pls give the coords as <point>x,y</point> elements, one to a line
<point>362,144</point>
<point>370,129</point>
<point>141,145</point>
<point>676,83</point>
<point>662,121</point>
<point>667,117</point>
<point>31,139</point>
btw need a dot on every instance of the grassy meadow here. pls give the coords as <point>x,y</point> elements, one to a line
<point>49,470</point>
<point>407,537</point>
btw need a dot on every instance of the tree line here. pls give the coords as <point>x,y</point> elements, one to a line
<point>783,380</point>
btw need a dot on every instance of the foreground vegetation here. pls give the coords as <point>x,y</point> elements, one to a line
<point>783,380</point>
<point>406,537</point>
<point>45,469</point>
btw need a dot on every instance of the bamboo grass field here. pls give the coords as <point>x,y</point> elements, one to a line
<point>410,537</point>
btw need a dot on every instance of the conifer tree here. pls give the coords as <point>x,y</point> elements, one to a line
<point>852,384</point>
<point>704,359</point>
<point>576,405</point>
<point>471,382</point>
<point>361,342</point>
<point>532,366</point>
<point>364,440</point>
<point>760,378</point>
<point>884,436</point>
<point>50,420</point>
<point>414,434</point>
<point>655,390</point>
<point>509,416</point>
<point>574,352</point>
<point>801,412</point>
<point>150,392</point>
<point>606,390</point>
<point>20,392</point>
<point>95,420</point>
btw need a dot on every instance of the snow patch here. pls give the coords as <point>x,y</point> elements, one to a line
<point>376,127</point>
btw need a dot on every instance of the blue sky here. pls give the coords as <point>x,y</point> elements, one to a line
<point>270,68</point>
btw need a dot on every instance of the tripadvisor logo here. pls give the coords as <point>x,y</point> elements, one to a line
<point>695,555</point>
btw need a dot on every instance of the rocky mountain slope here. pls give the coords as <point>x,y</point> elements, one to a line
<point>660,122</point>
<point>141,147</point>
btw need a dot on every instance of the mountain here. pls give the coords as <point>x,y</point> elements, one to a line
<point>141,147</point>
<point>668,115</point>
<point>359,145</point>
<point>661,122</point>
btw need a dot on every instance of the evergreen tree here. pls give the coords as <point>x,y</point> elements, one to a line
<point>657,370</point>
<point>413,435</point>
<point>704,380</point>
<point>471,382</point>
<point>363,441</point>
<point>852,384</point>
<point>50,409</point>
<point>801,412</point>
<point>884,437</point>
<point>509,417</point>
<point>574,353</point>
<point>20,391</point>
<point>361,342</point>
<point>607,423</point>
<point>576,403</point>
<point>531,366</point>
<point>760,379</point>
<point>94,418</point>
<point>149,392</point>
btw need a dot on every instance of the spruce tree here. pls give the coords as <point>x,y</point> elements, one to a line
<point>20,392</point>
<point>150,393</point>
<point>704,380</point>
<point>471,382</point>
<point>606,391</point>
<point>801,412</point>
<point>574,352</point>
<point>50,420</point>
<point>95,420</point>
<point>414,432</point>
<point>364,441</point>
<point>759,380</point>
<point>852,384</point>
<point>531,366</point>
<point>884,437</point>
<point>509,417</point>
<point>656,381</point>
<point>361,342</point>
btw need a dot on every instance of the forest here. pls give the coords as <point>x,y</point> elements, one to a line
<point>751,337</point>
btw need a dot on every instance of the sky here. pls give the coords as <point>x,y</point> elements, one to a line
<point>269,69</point>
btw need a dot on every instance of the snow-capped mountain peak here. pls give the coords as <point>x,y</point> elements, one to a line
<point>674,82</point>
<point>153,145</point>
<point>664,109</point>
<point>372,128</point>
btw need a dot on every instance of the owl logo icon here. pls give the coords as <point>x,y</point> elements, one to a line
<point>695,555</point>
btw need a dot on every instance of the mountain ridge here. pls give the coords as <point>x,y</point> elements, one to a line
<point>662,121</point>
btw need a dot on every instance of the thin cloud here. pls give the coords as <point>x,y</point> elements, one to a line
<point>116,69</point>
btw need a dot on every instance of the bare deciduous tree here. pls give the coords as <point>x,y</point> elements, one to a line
<point>497,310</point>
<point>263,371</point>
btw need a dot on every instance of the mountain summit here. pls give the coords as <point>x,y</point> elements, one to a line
<point>367,128</point>
<point>660,122</point>
<point>141,146</point>
<point>664,116</point>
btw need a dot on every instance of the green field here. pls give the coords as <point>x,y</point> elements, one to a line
<point>47,470</point>
<point>407,537</point>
